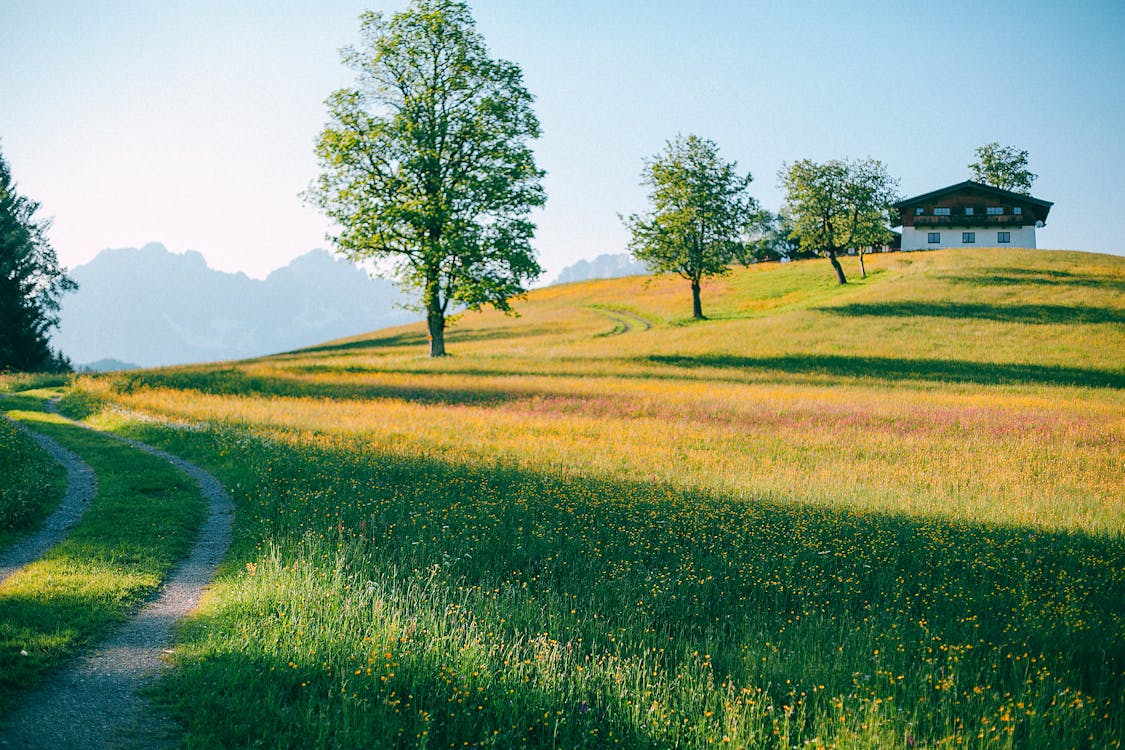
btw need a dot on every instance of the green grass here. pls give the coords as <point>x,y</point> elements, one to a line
<point>31,484</point>
<point>142,520</point>
<point>884,515</point>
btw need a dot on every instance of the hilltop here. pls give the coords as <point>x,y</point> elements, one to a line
<point>986,316</point>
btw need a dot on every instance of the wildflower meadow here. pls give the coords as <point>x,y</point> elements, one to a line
<point>885,515</point>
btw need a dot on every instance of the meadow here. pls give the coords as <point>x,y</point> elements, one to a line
<point>882,515</point>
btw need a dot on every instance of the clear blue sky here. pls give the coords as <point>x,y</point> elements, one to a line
<point>192,122</point>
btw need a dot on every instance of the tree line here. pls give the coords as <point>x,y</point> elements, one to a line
<point>426,167</point>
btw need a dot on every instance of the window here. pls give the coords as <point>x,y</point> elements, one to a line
<point>1003,237</point>
<point>994,210</point>
<point>941,212</point>
<point>934,237</point>
<point>968,210</point>
<point>919,211</point>
<point>1017,210</point>
<point>968,237</point>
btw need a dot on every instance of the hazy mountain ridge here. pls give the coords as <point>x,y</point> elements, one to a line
<point>153,307</point>
<point>607,266</point>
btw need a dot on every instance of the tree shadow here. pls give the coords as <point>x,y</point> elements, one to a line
<point>453,336</point>
<point>235,382</point>
<point>903,369</point>
<point>1038,314</point>
<point>374,342</point>
<point>1042,277</point>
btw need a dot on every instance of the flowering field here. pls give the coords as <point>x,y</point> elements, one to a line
<point>884,515</point>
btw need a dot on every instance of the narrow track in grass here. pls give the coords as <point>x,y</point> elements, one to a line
<point>624,321</point>
<point>81,486</point>
<point>97,703</point>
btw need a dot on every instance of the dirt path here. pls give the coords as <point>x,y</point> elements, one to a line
<point>81,486</point>
<point>95,703</point>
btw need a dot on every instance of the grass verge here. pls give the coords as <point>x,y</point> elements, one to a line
<point>31,483</point>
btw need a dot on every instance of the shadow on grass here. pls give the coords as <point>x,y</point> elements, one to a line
<point>1041,314</point>
<point>52,630</point>
<point>413,709</point>
<point>1041,277</point>
<point>783,595</point>
<point>374,342</point>
<point>234,382</point>
<point>901,369</point>
<point>453,336</point>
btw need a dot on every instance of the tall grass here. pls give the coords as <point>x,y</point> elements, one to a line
<point>888,515</point>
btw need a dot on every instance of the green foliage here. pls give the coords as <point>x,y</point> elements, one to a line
<point>700,213</point>
<point>1004,167</point>
<point>31,282</point>
<point>426,162</point>
<point>839,204</point>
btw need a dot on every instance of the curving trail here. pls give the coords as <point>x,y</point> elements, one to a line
<point>81,486</point>
<point>95,703</point>
<point>624,320</point>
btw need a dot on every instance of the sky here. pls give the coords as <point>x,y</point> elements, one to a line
<point>192,122</point>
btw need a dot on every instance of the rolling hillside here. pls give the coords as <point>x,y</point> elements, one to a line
<point>884,515</point>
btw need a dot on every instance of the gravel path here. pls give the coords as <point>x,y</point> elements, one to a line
<point>95,704</point>
<point>81,486</point>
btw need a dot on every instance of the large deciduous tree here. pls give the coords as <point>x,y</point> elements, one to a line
<point>426,162</point>
<point>838,205</point>
<point>1004,167</point>
<point>31,283</point>
<point>700,213</point>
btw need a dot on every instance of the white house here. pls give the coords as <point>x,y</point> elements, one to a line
<point>970,213</point>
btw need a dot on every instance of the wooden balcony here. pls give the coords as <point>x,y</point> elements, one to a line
<point>975,220</point>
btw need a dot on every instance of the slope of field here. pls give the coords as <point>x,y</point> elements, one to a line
<point>883,515</point>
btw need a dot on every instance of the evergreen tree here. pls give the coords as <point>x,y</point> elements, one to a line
<point>31,282</point>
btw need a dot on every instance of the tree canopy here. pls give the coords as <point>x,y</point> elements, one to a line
<point>837,205</point>
<point>1004,167</point>
<point>700,213</point>
<point>426,163</point>
<point>31,283</point>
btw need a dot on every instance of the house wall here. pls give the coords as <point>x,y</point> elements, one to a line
<point>916,239</point>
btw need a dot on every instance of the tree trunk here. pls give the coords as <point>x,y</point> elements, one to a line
<point>435,318</point>
<point>836,264</point>
<point>436,323</point>
<point>862,268</point>
<point>696,303</point>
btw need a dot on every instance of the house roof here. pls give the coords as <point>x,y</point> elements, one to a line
<point>988,190</point>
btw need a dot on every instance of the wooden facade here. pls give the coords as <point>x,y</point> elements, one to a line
<point>968,204</point>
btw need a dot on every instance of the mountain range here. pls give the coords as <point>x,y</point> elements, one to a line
<point>608,266</point>
<point>152,307</point>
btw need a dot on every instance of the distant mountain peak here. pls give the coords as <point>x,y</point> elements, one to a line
<point>606,266</point>
<point>155,307</point>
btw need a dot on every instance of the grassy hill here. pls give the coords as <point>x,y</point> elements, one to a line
<point>882,515</point>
